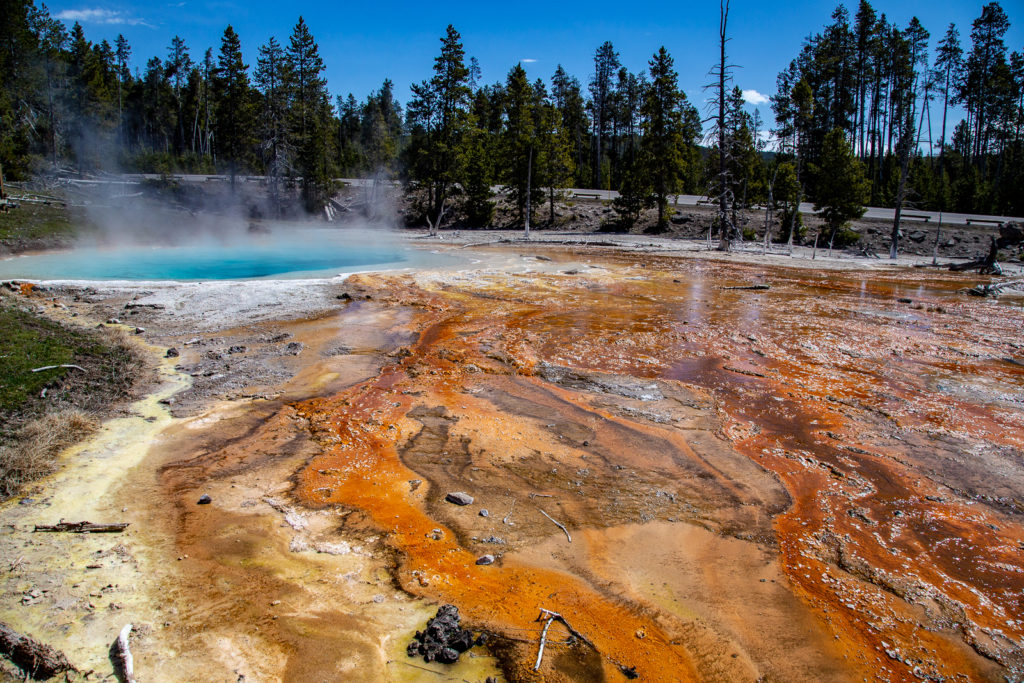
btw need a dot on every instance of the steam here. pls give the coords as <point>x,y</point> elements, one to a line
<point>192,211</point>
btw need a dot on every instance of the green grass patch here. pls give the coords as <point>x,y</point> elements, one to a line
<point>35,429</point>
<point>35,221</point>
<point>28,342</point>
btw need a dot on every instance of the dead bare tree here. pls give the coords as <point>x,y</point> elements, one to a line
<point>721,132</point>
<point>769,210</point>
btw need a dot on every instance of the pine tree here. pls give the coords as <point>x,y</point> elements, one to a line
<point>949,67</point>
<point>437,114</point>
<point>554,152</point>
<point>178,65</point>
<point>568,99</point>
<point>123,52</point>
<point>978,87</point>
<point>310,116</point>
<point>842,188</point>
<point>234,111</point>
<point>271,79</point>
<point>664,133</point>
<point>519,141</point>
<point>606,65</point>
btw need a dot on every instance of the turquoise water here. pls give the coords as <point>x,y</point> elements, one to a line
<point>305,253</point>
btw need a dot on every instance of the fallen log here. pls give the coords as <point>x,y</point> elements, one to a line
<point>82,527</point>
<point>994,289</point>
<point>985,266</point>
<point>37,660</point>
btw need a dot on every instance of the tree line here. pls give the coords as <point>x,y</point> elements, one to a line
<point>67,100</point>
<point>891,98</point>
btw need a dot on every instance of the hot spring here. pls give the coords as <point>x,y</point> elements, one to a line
<point>286,253</point>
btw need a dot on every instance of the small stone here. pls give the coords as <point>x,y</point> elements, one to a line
<point>204,500</point>
<point>113,321</point>
<point>459,498</point>
<point>904,300</point>
<point>485,513</point>
<point>140,330</point>
<point>236,349</point>
<point>485,559</point>
<point>172,353</point>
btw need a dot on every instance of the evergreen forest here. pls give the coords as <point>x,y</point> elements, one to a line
<point>864,101</point>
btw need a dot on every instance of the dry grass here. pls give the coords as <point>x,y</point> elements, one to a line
<point>33,451</point>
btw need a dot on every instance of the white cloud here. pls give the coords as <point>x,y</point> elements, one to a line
<point>754,97</point>
<point>99,16</point>
<point>528,60</point>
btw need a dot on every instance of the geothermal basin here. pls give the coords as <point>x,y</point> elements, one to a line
<point>821,480</point>
<point>285,252</point>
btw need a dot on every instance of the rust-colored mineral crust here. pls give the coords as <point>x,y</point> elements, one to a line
<point>868,448</point>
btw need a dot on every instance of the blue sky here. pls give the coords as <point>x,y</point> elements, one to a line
<point>363,43</point>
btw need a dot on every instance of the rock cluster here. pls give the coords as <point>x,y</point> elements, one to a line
<point>444,639</point>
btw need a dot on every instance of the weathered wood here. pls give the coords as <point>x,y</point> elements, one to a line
<point>750,287</point>
<point>558,524</point>
<point>82,527</point>
<point>985,266</point>
<point>543,641</point>
<point>54,367</point>
<point>37,660</point>
<point>994,289</point>
<point>124,654</point>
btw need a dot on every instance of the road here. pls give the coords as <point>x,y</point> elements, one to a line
<point>873,212</point>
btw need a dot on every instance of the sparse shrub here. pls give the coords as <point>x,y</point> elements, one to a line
<point>33,451</point>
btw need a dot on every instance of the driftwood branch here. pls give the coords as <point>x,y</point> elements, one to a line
<point>505,519</point>
<point>750,287</point>
<point>82,527</point>
<point>994,289</point>
<point>37,660</point>
<point>543,640</point>
<point>124,654</point>
<point>54,367</point>
<point>565,622</point>
<point>558,524</point>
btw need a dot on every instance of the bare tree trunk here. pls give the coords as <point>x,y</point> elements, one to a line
<point>723,174</point>
<point>529,179</point>
<point>792,219</point>
<point>768,212</point>
<point>935,249</point>
<point>901,190</point>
